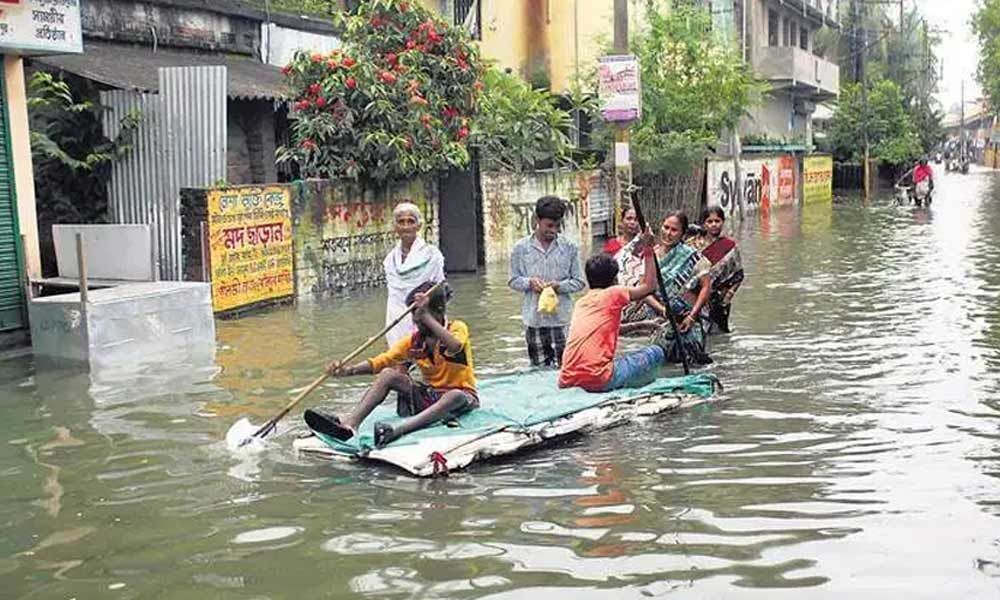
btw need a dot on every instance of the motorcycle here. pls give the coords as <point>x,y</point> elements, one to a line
<point>920,194</point>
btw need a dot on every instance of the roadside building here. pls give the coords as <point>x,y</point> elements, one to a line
<point>977,125</point>
<point>27,28</point>
<point>780,41</point>
<point>217,125</point>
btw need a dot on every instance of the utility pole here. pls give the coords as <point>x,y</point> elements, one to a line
<point>622,151</point>
<point>735,144</point>
<point>861,10</point>
<point>927,62</point>
<point>961,129</point>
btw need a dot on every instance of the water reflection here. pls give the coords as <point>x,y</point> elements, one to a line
<point>858,446</point>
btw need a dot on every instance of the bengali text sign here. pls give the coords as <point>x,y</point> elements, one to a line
<point>40,27</point>
<point>250,243</point>
<point>818,179</point>
<point>619,89</point>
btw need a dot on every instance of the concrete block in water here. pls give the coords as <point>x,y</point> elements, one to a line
<point>125,323</point>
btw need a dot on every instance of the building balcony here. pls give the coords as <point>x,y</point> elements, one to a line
<point>789,67</point>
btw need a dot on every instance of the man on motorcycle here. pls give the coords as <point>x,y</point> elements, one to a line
<point>923,172</point>
<point>923,183</point>
<point>921,179</point>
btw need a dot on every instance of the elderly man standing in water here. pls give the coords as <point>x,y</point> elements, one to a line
<point>411,262</point>
<point>546,259</point>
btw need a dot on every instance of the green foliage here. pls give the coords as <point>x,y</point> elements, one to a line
<point>396,101</point>
<point>986,25</point>
<point>315,8</point>
<point>767,140</point>
<point>57,116</point>
<point>891,133</point>
<point>827,41</point>
<point>694,87</point>
<point>906,56</point>
<point>71,157</point>
<point>519,126</point>
<point>927,121</point>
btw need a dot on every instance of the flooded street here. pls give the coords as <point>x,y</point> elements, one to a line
<point>857,452</point>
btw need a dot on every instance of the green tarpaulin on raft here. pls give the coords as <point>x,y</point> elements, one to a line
<point>520,400</point>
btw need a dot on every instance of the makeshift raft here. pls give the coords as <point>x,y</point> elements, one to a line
<point>517,412</point>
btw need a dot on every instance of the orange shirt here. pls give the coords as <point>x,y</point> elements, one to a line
<point>593,339</point>
<point>441,370</point>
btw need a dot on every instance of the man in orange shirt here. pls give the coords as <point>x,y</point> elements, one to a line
<point>441,350</point>
<point>589,360</point>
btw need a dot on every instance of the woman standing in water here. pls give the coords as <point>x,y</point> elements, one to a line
<point>411,261</point>
<point>630,270</point>
<point>727,265</point>
<point>629,231</point>
<point>688,285</point>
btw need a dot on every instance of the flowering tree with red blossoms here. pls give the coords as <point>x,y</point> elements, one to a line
<point>395,101</point>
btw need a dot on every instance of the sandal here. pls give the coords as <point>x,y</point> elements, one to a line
<point>328,424</point>
<point>384,434</point>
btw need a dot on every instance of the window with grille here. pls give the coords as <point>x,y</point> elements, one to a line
<point>467,15</point>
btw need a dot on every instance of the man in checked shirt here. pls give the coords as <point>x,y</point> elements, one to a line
<point>546,259</point>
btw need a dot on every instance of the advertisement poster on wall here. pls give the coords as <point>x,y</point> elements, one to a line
<point>619,89</point>
<point>786,180</point>
<point>250,244</point>
<point>818,179</point>
<point>767,181</point>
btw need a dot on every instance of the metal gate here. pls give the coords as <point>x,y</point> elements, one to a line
<point>11,289</point>
<point>181,142</point>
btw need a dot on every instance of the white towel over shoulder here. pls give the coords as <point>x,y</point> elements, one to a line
<point>423,263</point>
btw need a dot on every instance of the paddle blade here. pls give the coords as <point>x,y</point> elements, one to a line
<point>240,437</point>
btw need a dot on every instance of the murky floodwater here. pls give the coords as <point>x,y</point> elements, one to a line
<point>857,455</point>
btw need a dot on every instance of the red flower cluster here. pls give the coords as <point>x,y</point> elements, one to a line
<point>401,91</point>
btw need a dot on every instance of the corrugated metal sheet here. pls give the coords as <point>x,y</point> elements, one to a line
<point>600,201</point>
<point>133,191</point>
<point>181,142</point>
<point>193,135</point>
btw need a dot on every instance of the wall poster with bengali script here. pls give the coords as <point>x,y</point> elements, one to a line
<point>250,244</point>
<point>817,177</point>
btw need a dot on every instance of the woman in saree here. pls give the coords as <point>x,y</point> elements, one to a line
<point>688,285</point>
<point>631,269</point>
<point>411,261</point>
<point>727,265</point>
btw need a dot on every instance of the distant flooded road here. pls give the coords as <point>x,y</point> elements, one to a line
<point>857,454</point>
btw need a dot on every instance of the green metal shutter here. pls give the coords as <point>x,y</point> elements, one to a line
<point>11,288</point>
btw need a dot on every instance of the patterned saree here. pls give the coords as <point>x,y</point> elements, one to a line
<point>682,268</point>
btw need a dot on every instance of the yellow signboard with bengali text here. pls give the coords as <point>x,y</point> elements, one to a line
<point>817,175</point>
<point>250,244</point>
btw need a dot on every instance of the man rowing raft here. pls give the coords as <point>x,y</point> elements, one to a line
<point>441,350</point>
<point>590,361</point>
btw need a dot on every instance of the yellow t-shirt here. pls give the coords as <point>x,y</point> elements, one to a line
<point>441,370</point>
